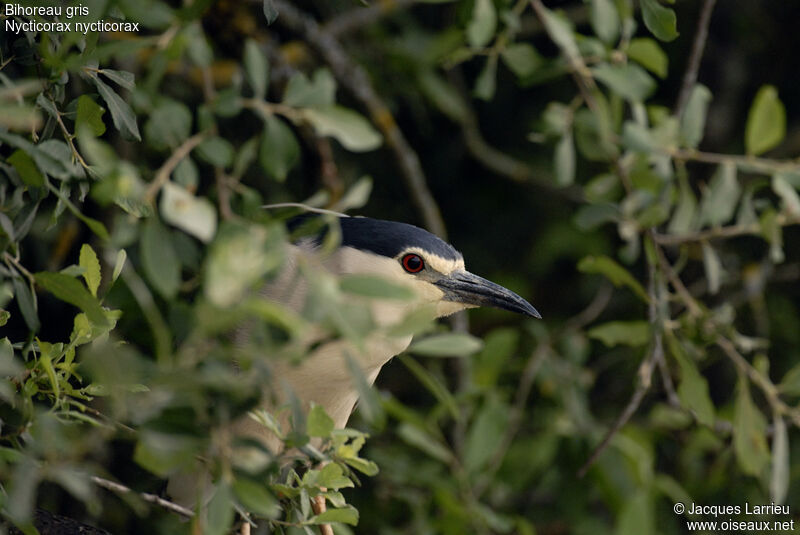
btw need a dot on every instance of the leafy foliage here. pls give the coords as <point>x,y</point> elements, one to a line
<point>133,242</point>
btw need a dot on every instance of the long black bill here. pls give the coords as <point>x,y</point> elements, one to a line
<point>464,287</point>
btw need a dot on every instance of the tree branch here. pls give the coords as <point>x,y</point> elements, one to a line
<point>354,19</point>
<point>162,175</point>
<point>698,46</point>
<point>353,77</point>
<point>152,498</point>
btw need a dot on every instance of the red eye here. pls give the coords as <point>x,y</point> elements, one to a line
<point>412,263</point>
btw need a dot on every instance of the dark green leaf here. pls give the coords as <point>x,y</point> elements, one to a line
<point>485,434</point>
<point>319,92</point>
<point>613,271</point>
<point>522,59</point>
<point>121,112</point>
<point>749,433</point>
<point>124,78</point>
<point>71,291</point>
<point>279,151</point>
<point>486,82</point>
<point>256,68</point>
<point>414,436</point>
<point>660,20</point>
<point>220,511</point>
<point>693,388</point>
<point>217,151</point>
<point>169,125</point>
<point>159,261</point>
<point>26,301</point>
<point>89,118</point>
<point>26,168</point>
<point>256,498</point>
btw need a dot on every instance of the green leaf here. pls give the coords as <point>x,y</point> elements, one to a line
<point>790,201</point>
<point>124,78</point>
<point>159,261</point>
<point>446,98</point>
<point>349,128</point>
<point>414,436</point>
<point>26,168</point>
<point>332,476</point>
<point>369,401</point>
<point>256,68</point>
<point>721,197</point>
<point>270,11</point>
<point>68,289</point>
<point>790,384</point>
<point>195,215</point>
<point>649,55</point>
<point>781,468</point>
<point>772,231</point>
<point>614,272</point>
<point>240,256</point>
<point>766,122</point>
<point>279,151</point>
<point>121,112</point>
<point>564,160</point>
<point>446,345</point>
<point>345,515</point>
<point>485,434</point>
<point>318,423</point>
<point>629,80</point>
<point>713,267</point>
<point>749,433</point>
<point>522,59</point>
<point>119,263</point>
<point>486,82</point>
<point>482,25</point>
<point>88,261</point>
<point>256,498</point>
<point>169,125</point>
<point>693,119</point>
<point>605,20</point>
<point>319,92</point>
<point>614,333</point>
<point>560,29</point>
<point>432,384</point>
<point>693,389</point>
<point>89,118</point>
<point>220,511</point>
<point>375,287</point>
<point>4,317</point>
<point>660,20</point>
<point>217,151</point>
<point>26,301</point>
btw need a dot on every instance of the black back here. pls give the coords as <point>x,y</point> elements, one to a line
<point>387,238</point>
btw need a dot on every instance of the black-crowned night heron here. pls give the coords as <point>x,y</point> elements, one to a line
<point>398,253</point>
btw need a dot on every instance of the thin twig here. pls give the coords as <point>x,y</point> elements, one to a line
<point>762,382</point>
<point>354,19</point>
<point>68,137</point>
<point>514,418</point>
<point>645,372</point>
<point>765,165</point>
<point>698,46</point>
<point>353,77</point>
<point>152,498</point>
<point>581,73</point>
<point>691,303</point>
<point>162,175</point>
<point>730,231</point>
<point>223,193</point>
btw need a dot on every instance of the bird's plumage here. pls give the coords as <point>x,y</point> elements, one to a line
<point>437,277</point>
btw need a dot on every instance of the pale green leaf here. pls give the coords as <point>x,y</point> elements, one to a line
<point>349,128</point>
<point>605,20</point>
<point>88,261</point>
<point>780,467</point>
<point>255,497</point>
<point>790,201</point>
<point>766,122</point>
<point>649,55</point>
<point>446,345</point>
<point>713,267</point>
<point>375,287</point>
<point>629,80</point>
<point>318,423</point>
<point>481,27</point>
<point>195,215</point>
<point>564,160</point>
<point>721,197</point>
<point>614,333</point>
<point>693,118</point>
<point>749,433</point>
<point>346,515</point>
<point>522,59</point>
